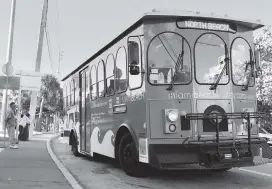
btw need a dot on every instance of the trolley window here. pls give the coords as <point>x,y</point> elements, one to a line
<point>101,78</point>
<point>121,70</point>
<point>242,71</point>
<point>210,53</point>
<point>110,75</point>
<point>87,75</point>
<point>93,84</point>
<point>135,59</point>
<point>169,59</point>
<point>68,89</point>
<point>73,91</point>
<point>64,95</point>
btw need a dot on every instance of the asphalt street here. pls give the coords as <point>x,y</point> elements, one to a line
<point>30,167</point>
<point>102,173</point>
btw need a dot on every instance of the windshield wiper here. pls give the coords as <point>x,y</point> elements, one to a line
<point>178,64</point>
<point>214,86</point>
<point>250,63</point>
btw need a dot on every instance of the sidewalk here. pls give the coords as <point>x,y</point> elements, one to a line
<point>35,133</point>
<point>30,166</point>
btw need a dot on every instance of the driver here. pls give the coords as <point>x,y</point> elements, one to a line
<point>183,75</point>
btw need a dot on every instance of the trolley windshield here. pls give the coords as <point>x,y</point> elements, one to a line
<point>210,53</point>
<point>169,59</point>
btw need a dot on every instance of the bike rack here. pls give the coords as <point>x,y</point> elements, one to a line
<point>216,116</point>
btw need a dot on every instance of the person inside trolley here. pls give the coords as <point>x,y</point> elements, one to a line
<point>120,83</point>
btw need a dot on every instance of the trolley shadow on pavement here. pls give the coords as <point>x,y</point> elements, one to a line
<point>110,163</point>
<point>108,166</point>
<point>91,171</point>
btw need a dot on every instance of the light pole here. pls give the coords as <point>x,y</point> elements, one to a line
<point>37,69</point>
<point>7,68</point>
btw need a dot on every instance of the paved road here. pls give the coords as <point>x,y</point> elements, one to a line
<point>103,174</point>
<point>30,166</point>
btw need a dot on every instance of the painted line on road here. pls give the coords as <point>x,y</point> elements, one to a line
<point>255,172</point>
<point>72,181</point>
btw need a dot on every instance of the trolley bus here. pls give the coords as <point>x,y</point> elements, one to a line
<point>176,90</point>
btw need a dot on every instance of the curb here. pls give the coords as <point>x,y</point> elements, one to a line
<point>69,177</point>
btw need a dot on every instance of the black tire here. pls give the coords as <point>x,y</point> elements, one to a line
<point>74,147</point>
<point>128,161</point>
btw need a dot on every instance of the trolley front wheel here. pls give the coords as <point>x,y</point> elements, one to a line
<point>127,158</point>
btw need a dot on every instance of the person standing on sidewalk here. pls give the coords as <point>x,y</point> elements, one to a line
<point>11,123</point>
<point>24,127</point>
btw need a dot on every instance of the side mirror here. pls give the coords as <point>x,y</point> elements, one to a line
<point>258,59</point>
<point>134,69</point>
<point>258,63</point>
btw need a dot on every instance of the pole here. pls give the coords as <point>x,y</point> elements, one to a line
<point>9,60</point>
<point>5,110</point>
<point>19,108</point>
<point>37,68</point>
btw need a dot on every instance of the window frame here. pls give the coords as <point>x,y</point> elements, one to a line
<point>106,79</point>
<point>226,55</point>
<point>190,58</point>
<point>115,60</point>
<point>140,60</point>
<point>251,59</point>
<point>97,69</point>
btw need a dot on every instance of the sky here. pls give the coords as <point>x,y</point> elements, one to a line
<point>79,28</point>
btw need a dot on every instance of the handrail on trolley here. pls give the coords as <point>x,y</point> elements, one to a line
<point>235,115</point>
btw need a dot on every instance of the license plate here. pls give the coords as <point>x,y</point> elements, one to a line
<point>228,156</point>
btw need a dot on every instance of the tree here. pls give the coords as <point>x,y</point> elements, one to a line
<point>51,96</point>
<point>263,43</point>
<point>25,99</point>
<point>51,92</point>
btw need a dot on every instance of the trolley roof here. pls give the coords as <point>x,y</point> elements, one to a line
<point>157,14</point>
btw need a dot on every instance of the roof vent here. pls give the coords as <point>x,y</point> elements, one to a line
<point>197,12</point>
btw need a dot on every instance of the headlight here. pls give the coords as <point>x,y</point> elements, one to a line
<point>172,115</point>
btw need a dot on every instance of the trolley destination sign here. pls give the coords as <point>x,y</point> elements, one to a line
<point>206,25</point>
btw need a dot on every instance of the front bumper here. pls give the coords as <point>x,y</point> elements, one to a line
<point>204,156</point>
